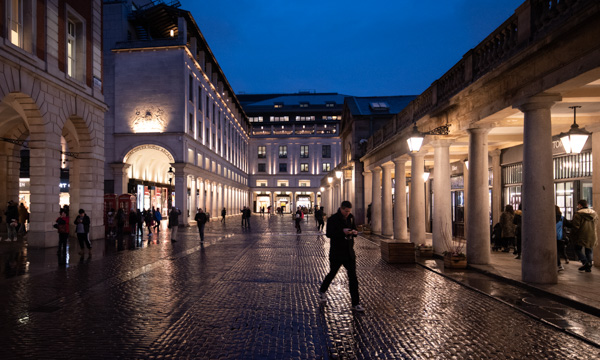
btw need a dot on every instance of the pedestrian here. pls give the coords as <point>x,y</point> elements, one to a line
<point>298,219</point>
<point>561,247</point>
<point>583,234</point>
<point>518,221</point>
<point>157,219</point>
<point>341,230</point>
<point>223,214</point>
<point>12,220</point>
<point>149,218</point>
<point>82,228</point>
<point>120,219</point>
<point>174,223</point>
<point>201,221</point>
<point>133,220</point>
<point>110,220</point>
<point>508,228</point>
<point>62,225</point>
<point>369,214</point>
<point>23,217</point>
<point>140,222</point>
<point>320,215</point>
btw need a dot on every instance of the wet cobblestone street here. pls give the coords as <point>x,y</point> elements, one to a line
<point>252,294</point>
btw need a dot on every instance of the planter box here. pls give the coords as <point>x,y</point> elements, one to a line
<point>455,262</point>
<point>397,252</point>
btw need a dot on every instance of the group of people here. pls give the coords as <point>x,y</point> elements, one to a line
<point>581,231</point>
<point>16,218</point>
<point>246,212</point>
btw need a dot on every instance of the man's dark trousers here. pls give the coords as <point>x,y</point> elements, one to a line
<point>348,260</point>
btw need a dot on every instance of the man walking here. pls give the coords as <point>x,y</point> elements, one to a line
<point>341,230</point>
<point>584,234</point>
<point>201,221</point>
<point>173,223</point>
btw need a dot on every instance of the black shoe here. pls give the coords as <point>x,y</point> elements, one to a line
<point>583,268</point>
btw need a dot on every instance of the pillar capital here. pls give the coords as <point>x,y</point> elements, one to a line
<point>537,102</point>
<point>479,130</point>
<point>441,142</point>
<point>495,152</point>
<point>120,168</point>
<point>387,165</point>
<point>401,159</point>
<point>376,169</point>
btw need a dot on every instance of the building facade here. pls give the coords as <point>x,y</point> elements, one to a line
<point>294,141</point>
<point>52,106</point>
<point>176,135</point>
<point>498,114</point>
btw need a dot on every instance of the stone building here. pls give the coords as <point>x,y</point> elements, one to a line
<point>502,108</point>
<point>176,135</point>
<point>294,141</point>
<point>52,111</point>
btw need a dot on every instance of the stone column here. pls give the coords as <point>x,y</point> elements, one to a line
<point>120,176</point>
<point>180,178</point>
<point>387,226</point>
<point>209,198</point>
<point>596,186</point>
<point>539,231</point>
<point>331,207</point>
<point>477,218</point>
<point>417,199</point>
<point>400,226</point>
<point>368,191</point>
<point>496,186</point>
<point>376,207</point>
<point>442,208</point>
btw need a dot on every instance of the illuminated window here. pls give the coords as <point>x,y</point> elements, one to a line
<point>304,183</point>
<point>303,167</point>
<point>331,117</point>
<point>379,106</point>
<point>326,167</point>
<point>283,183</point>
<point>75,48</point>
<point>305,118</point>
<point>283,151</point>
<point>256,119</point>
<point>262,183</point>
<point>279,118</point>
<point>20,18</point>
<point>278,105</point>
<point>304,151</point>
<point>262,152</point>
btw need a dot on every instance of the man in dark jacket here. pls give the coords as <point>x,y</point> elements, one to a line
<point>341,230</point>
<point>584,234</point>
<point>174,223</point>
<point>201,221</point>
<point>82,228</point>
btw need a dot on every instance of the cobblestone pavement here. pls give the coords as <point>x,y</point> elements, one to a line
<point>251,294</point>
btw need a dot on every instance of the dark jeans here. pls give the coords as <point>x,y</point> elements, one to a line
<point>585,254</point>
<point>63,239</point>
<point>201,231</point>
<point>320,225</point>
<point>84,240</point>
<point>518,247</point>
<point>561,248</point>
<point>140,228</point>
<point>298,228</point>
<point>348,260</point>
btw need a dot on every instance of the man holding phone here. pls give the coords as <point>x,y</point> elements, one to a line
<point>341,230</point>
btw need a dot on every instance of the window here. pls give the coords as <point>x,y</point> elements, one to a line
<point>331,117</point>
<point>379,106</point>
<point>191,123</point>
<point>303,167</point>
<point>279,118</point>
<point>304,104</point>
<point>75,49</point>
<point>256,119</point>
<point>200,98</point>
<point>305,118</point>
<point>326,151</point>
<point>262,167</point>
<point>262,152</point>
<point>330,104</point>
<point>282,167</point>
<point>207,107</point>
<point>190,156</point>
<point>283,151</point>
<point>191,88</point>
<point>304,151</point>
<point>278,105</point>
<point>283,183</point>
<point>262,183</point>
<point>304,183</point>
<point>326,167</point>
<point>20,23</point>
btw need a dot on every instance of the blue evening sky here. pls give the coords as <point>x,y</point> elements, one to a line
<point>362,48</point>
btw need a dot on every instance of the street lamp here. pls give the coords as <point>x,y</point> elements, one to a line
<point>329,179</point>
<point>170,175</point>
<point>415,140</point>
<point>574,140</point>
<point>338,174</point>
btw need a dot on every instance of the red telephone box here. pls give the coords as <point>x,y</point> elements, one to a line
<point>110,202</point>
<point>127,202</point>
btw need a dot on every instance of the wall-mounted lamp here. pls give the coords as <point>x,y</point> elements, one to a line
<point>425,176</point>
<point>466,163</point>
<point>322,189</point>
<point>574,140</point>
<point>172,33</point>
<point>329,179</point>
<point>416,137</point>
<point>338,174</point>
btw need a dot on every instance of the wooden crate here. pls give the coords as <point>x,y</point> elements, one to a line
<point>397,252</point>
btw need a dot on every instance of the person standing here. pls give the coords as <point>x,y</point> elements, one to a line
<point>82,228</point>
<point>23,217</point>
<point>133,222</point>
<point>157,220</point>
<point>341,230</point>
<point>62,225</point>
<point>120,218</point>
<point>508,228</point>
<point>561,248</point>
<point>319,214</point>
<point>140,222</point>
<point>12,220</point>
<point>518,221</point>
<point>298,219</point>
<point>583,234</point>
<point>223,214</point>
<point>174,223</point>
<point>148,218</point>
<point>201,221</point>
